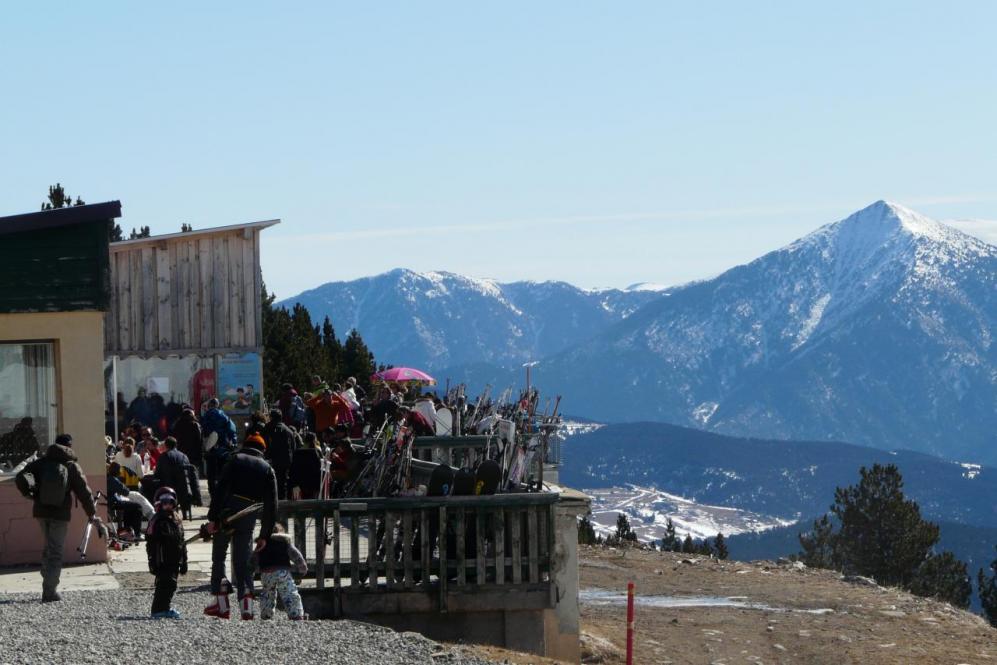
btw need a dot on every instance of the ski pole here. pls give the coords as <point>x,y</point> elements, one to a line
<point>82,549</point>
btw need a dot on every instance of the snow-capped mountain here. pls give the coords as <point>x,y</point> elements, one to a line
<point>877,330</point>
<point>439,319</point>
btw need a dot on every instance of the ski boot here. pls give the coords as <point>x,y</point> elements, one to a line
<point>221,608</point>
<point>246,606</point>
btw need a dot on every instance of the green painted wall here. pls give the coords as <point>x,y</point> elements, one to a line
<point>60,269</point>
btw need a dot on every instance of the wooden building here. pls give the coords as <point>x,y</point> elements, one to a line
<point>55,280</point>
<point>184,323</point>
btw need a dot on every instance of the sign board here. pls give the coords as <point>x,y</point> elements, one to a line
<point>239,381</point>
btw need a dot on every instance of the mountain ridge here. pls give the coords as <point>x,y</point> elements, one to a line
<point>875,329</point>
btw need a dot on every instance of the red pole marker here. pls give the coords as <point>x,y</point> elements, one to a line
<point>630,623</point>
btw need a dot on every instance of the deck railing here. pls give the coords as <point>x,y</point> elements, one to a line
<point>438,544</point>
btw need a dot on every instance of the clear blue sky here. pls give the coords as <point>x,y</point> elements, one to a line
<point>599,143</point>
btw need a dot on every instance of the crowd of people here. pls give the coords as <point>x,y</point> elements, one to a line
<point>281,456</point>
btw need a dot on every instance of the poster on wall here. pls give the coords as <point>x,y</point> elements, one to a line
<point>202,388</point>
<point>238,381</point>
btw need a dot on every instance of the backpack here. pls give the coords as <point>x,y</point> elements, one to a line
<point>53,483</point>
<point>297,412</point>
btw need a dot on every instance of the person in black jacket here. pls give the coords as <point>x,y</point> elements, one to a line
<point>171,471</point>
<point>190,441</point>
<point>280,447</point>
<point>305,474</point>
<point>246,479</point>
<point>49,481</point>
<point>167,552</point>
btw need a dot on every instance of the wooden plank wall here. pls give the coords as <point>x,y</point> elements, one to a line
<point>191,294</point>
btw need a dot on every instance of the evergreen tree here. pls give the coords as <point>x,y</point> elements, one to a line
<point>58,198</point>
<point>720,546</point>
<point>143,232</point>
<point>818,545</point>
<point>988,593</point>
<point>624,533</point>
<point>358,361</point>
<point>332,352</point>
<point>882,534</point>
<point>688,546</point>
<point>943,577</point>
<point>670,542</point>
<point>586,532</point>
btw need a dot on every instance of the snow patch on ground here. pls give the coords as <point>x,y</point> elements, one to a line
<point>971,470</point>
<point>649,509</point>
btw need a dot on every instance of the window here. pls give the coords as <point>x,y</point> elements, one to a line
<point>28,409</point>
<point>152,390</point>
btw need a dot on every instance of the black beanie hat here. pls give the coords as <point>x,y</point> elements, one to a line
<point>64,440</point>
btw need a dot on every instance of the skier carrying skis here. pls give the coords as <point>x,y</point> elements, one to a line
<point>247,479</point>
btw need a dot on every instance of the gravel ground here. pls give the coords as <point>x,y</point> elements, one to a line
<point>114,627</point>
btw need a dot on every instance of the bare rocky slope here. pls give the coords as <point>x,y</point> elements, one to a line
<point>774,614</point>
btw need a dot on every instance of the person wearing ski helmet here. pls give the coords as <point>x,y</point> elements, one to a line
<point>167,552</point>
<point>247,479</point>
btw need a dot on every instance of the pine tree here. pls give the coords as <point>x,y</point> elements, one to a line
<point>58,198</point>
<point>333,352</point>
<point>882,534</point>
<point>586,532</point>
<point>358,361</point>
<point>943,577</point>
<point>143,232</point>
<point>688,546</point>
<point>818,545</point>
<point>720,546</point>
<point>988,593</point>
<point>670,542</point>
<point>624,533</point>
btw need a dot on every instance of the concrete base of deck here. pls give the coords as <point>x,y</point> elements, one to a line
<point>518,620</point>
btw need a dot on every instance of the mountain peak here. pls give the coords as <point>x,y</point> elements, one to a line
<point>897,217</point>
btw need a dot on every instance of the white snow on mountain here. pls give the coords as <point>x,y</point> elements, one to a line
<point>647,286</point>
<point>649,510</point>
<point>440,319</point>
<point>876,329</point>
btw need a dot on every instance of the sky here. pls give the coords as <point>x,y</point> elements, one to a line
<point>601,144</point>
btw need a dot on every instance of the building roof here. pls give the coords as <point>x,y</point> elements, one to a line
<point>50,219</point>
<point>214,230</point>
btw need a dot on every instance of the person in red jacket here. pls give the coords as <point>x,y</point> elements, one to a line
<point>419,423</point>
<point>330,410</point>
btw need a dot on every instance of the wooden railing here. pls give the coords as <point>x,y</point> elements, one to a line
<point>438,544</point>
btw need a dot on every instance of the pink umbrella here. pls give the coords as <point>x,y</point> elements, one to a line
<point>403,375</point>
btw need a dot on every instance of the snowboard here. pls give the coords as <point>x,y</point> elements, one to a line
<point>487,477</point>
<point>441,481</point>
<point>444,422</point>
<point>463,483</point>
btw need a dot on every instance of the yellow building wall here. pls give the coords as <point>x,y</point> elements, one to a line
<point>79,353</point>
